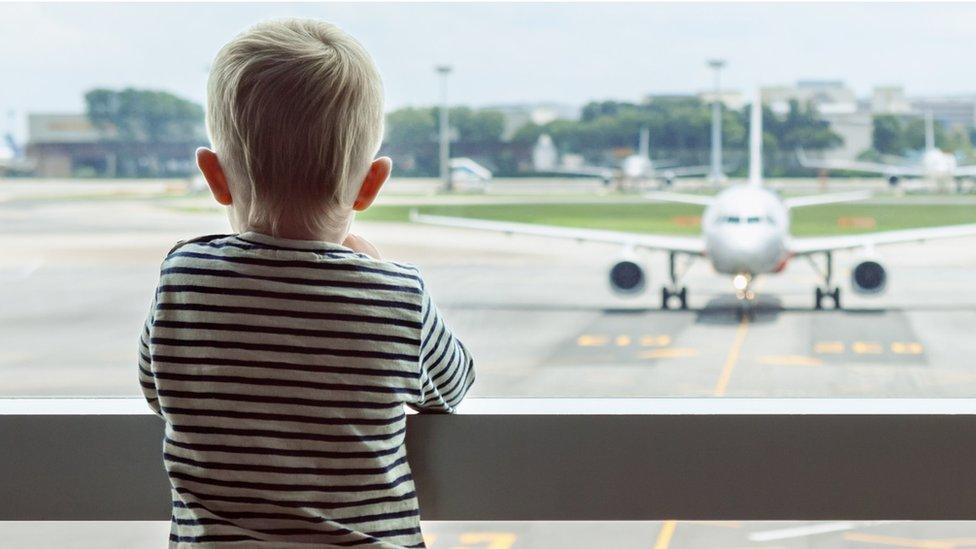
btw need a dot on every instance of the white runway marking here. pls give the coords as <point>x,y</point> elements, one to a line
<point>25,271</point>
<point>813,529</point>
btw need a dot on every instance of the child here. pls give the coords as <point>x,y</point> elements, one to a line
<point>281,356</point>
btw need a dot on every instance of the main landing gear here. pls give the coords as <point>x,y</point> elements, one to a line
<point>827,291</point>
<point>674,291</point>
<point>667,294</point>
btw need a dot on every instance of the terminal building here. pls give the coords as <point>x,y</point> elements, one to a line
<point>62,145</point>
<point>853,118</point>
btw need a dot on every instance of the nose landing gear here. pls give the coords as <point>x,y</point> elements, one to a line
<point>668,293</point>
<point>820,294</point>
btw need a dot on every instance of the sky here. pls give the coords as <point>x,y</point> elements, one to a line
<point>50,54</point>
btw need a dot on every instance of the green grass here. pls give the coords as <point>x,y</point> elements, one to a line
<point>674,218</point>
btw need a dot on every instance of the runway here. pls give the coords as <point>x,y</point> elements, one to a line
<point>78,270</point>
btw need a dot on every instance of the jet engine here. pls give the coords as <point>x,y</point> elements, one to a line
<point>869,277</point>
<point>627,277</point>
<point>893,180</point>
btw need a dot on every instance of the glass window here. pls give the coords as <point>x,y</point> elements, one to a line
<point>102,109</point>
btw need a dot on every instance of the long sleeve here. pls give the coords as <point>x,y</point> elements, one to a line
<point>146,378</point>
<point>446,367</point>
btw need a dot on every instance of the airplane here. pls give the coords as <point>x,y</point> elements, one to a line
<point>745,233</point>
<point>933,165</point>
<point>638,167</point>
<point>12,158</point>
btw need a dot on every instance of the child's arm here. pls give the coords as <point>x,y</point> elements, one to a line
<point>146,379</point>
<point>446,368</point>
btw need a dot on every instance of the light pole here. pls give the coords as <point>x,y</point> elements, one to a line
<point>445,153</point>
<point>716,175</point>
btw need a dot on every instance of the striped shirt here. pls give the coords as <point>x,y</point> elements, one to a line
<point>281,368</point>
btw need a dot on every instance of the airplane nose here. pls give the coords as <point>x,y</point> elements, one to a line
<point>749,252</point>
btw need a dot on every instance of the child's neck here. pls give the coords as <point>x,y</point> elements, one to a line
<point>335,234</point>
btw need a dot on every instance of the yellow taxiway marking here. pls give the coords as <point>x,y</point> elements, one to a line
<point>733,357</point>
<point>906,348</point>
<point>655,341</point>
<point>866,348</point>
<point>592,341</point>
<point>790,360</point>
<point>909,542</point>
<point>829,348</point>
<point>665,535</point>
<point>669,352</point>
<point>493,540</point>
<point>622,341</point>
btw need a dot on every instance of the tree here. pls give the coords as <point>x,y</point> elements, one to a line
<point>899,135</point>
<point>411,126</point>
<point>802,127</point>
<point>144,115</point>
<point>477,126</point>
<point>412,136</point>
<point>888,135</point>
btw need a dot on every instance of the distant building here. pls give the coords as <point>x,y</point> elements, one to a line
<point>836,103</point>
<point>889,100</point>
<point>68,145</point>
<point>857,131</point>
<point>519,115</point>
<point>827,96</point>
<point>731,99</point>
<point>951,111</point>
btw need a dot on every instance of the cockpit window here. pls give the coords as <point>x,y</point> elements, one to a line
<point>751,220</point>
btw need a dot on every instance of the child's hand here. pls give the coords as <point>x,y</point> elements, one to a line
<point>361,245</point>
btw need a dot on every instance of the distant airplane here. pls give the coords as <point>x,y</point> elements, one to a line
<point>12,159</point>
<point>745,233</point>
<point>464,169</point>
<point>638,167</point>
<point>933,165</point>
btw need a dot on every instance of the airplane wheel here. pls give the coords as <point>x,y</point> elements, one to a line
<point>836,296</point>
<point>665,298</point>
<point>683,296</point>
<point>818,298</point>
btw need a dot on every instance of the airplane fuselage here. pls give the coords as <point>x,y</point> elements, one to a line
<point>938,165</point>
<point>746,230</point>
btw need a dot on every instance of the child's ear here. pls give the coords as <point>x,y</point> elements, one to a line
<point>214,174</point>
<point>379,172</point>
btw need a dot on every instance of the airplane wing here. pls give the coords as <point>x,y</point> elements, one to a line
<point>859,166</point>
<point>685,244</point>
<point>805,246</point>
<point>592,171</point>
<point>684,171</point>
<point>820,199</point>
<point>965,171</point>
<point>698,199</point>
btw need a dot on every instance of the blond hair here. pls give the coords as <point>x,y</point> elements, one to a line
<point>295,113</point>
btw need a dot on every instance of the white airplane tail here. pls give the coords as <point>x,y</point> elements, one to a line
<point>644,145</point>
<point>755,141</point>
<point>929,131</point>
